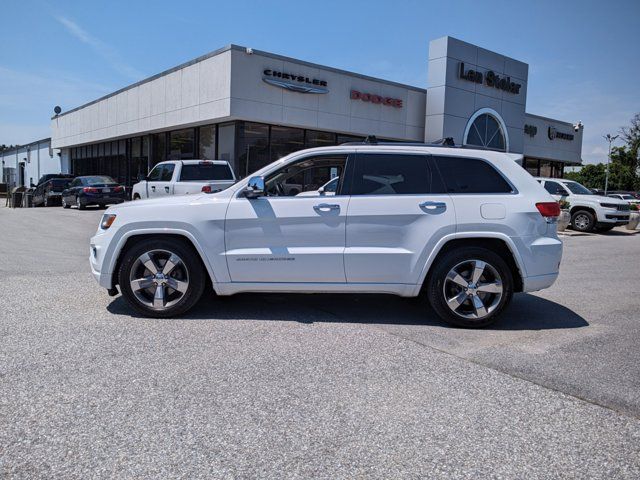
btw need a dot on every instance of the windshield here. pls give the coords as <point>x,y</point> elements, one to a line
<point>627,197</point>
<point>98,180</point>
<point>575,187</point>
<point>209,171</point>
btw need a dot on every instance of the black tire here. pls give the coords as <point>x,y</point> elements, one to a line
<point>605,229</point>
<point>45,202</point>
<point>80,204</point>
<point>136,197</point>
<point>102,205</point>
<point>436,289</point>
<point>583,221</point>
<point>196,276</point>
<point>65,204</point>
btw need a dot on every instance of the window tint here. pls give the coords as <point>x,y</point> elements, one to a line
<point>154,175</point>
<point>305,175</point>
<point>470,175</point>
<point>391,174</point>
<point>205,171</point>
<point>554,188</point>
<point>167,172</point>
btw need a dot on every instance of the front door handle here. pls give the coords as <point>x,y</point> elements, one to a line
<point>166,189</point>
<point>153,188</point>
<point>326,206</point>
<point>433,205</point>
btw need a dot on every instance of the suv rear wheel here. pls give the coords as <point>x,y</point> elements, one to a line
<point>470,286</point>
<point>161,278</point>
<point>583,221</point>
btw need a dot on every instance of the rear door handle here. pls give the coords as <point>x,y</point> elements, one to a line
<point>326,206</point>
<point>166,189</point>
<point>153,188</point>
<point>433,205</point>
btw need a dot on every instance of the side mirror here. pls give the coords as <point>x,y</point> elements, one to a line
<point>255,187</point>
<point>321,191</point>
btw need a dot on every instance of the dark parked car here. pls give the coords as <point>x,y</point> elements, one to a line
<point>93,190</point>
<point>49,189</point>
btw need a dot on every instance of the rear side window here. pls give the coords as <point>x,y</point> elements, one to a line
<point>209,171</point>
<point>554,188</point>
<point>391,174</point>
<point>470,175</point>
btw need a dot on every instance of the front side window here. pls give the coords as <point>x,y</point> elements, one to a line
<point>470,175</point>
<point>155,174</point>
<point>167,172</point>
<point>306,175</point>
<point>391,174</point>
<point>578,189</point>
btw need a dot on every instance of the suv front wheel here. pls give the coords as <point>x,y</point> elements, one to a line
<point>470,286</point>
<point>161,278</point>
<point>583,221</point>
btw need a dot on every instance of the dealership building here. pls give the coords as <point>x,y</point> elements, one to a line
<point>252,107</point>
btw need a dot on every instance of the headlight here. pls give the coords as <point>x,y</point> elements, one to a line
<point>609,205</point>
<point>107,220</point>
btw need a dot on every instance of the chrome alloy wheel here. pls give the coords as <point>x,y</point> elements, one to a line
<point>473,289</point>
<point>581,221</point>
<point>159,279</point>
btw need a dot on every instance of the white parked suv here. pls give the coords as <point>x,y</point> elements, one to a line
<point>182,177</point>
<point>467,228</point>
<point>588,211</point>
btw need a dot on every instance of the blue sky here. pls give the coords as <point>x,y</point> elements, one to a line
<point>583,56</point>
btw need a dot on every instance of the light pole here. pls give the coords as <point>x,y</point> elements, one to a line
<point>609,139</point>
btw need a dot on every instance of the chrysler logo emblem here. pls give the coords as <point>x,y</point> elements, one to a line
<point>294,86</point>
<point>294,82</point>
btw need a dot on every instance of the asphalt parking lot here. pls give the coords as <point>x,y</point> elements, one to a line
<point>329,386</point>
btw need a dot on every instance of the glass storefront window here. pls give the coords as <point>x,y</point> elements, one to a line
<point>545,168</point>
<point>182,144</point>
<point>159,148</point>
<point>348,138</point>
<point>319,139</point>
<point>207,142</point>
<point>531,166</point>
<point>252,147</point>
<point>285,140</point>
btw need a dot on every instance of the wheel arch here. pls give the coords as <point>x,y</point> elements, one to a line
<point>503,246</point>
<point>133,238</point>
<point>577,208</point>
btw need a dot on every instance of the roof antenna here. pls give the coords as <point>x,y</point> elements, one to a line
<point>446,142</point>
<point>370,139</point>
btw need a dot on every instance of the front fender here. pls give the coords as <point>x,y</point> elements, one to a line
<point>217,273</point>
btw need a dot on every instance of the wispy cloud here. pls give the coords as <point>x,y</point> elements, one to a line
<point>105,51</point>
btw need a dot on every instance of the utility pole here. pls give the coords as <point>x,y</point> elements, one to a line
<point>609,139</point>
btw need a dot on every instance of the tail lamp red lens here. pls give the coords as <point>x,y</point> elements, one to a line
<point>548,209</point>
<point>118,189</point>
<point>90,190</point>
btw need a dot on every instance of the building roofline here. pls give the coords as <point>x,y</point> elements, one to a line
<point>548,118</point>
<point>238,48</point>
<point>26,145</point>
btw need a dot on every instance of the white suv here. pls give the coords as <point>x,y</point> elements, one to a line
<point>588,211</point>
<point>468,228</point>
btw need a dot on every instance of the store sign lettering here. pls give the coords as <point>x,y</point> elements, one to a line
<point>553,133</point>
<point>294,82</point>
<point>490,79</point>
<point>377,99</point>
<point>531,130</point>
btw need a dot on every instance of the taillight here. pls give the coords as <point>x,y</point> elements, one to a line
<point>118,189</point>
<point>549,209</point>
<point>90,190</point>
<point>206,189</point>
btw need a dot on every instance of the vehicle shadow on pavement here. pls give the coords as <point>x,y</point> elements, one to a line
<point>527,312</point>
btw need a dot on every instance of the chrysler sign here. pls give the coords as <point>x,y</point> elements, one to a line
<point>294,82</point>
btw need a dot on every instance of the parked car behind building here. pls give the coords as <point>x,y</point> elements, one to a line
<point>93,190</point>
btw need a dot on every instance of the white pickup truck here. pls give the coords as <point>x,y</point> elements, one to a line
<point>182,177</point>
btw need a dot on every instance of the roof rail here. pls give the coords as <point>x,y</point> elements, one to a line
<point>372,140</point>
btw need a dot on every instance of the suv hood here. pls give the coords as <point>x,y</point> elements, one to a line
<point>171,200</point>
<point>596,198</point>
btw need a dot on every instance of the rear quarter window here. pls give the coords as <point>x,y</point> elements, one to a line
<point>205,172</point>
<point>470,175</point>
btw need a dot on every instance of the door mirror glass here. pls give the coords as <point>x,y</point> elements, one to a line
<point>255,187</point>
<point>321,191</point>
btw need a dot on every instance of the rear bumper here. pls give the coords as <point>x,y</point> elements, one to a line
<point>538,282</point>
<point>100,199</point>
